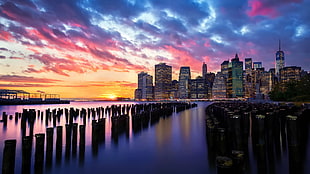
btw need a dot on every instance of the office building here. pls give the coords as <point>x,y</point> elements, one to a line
<point>145,86</point>
<point>163,79</point>
<point>219,86</point>
<point>199,88</point>
<point>257,65</point>
<point>279,60</point>
<point>247,78</point>
<point>237,77</point>
<point>204,70</point>
<point>184,82</point>
<point>290,73</point>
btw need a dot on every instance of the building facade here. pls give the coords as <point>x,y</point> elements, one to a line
<point>163,79</point>
<point>257,65</point>
<point>184,82</point>
<point>145,87</point>
<point>237,77</point>
<point>219,86</point>
<point>199,88</point>
<point>247,78</point>
<point>290,73</point>
<point>279,60</point>
<point>204,70</point>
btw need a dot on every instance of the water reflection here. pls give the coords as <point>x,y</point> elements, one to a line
<point>87,124</point>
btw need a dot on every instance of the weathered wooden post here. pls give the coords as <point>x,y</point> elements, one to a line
<point>224,165</point>
<point>8,162</point>
<point>295,163</point>
<point>74,139</point>
<point>82,144</point>
<point>94,137</point>
<point>59,144</point>
<point>4,119</point>
<point>39,153</point>
<point>49,147</point>
<point>68,141</point>
<point>26,154</point>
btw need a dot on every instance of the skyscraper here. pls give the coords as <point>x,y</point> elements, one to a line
<point>145,85</point>
<point>184,82</point>
<point>248,64</point>
<point>257,65</point>
<point>289,73</point>
<point>279,59</point>
<point>163,78</point>
<point>248,85</point>
<point>237,77</point>
<point>219,86</point>
<point>199,88</point>
<point>204,70</point>
<point>224,68</point>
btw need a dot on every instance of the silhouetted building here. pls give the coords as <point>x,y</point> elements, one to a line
<point>247,78</point>
<point>224,68</point>
<point>184,82</point>
<point>163,78</point>
<point>237,77</point>
<point>204,70</point>
<point>219,86</point>
<point>257,65</point>
<point>175,89</point>
<point>145,84</point>
<point>290,73</point>
<point>199,88</point>
<point>138,94</point>
<point>209,80</point>
<point>279,60</point>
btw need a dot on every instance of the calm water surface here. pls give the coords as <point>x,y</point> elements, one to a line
<point>176,144</point>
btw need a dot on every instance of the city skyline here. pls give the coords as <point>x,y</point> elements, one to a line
<point>98,47</point>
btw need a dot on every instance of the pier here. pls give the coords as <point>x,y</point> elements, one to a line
<point>20,97</point>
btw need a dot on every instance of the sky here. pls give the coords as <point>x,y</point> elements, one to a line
<point>96,48</point>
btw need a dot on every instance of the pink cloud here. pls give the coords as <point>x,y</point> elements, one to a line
<point>258,9</point>
<point>25,79</point>
<point>267,8</point>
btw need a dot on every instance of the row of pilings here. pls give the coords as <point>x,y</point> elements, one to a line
<point>142,115</point>
<point>273,130</point>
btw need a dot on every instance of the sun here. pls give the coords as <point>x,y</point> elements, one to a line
<point>108,96</point>
<point>111,96</point>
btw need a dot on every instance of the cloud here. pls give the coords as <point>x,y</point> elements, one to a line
<point>26,79</point>
<point>2,57</point>
<point>3,49</point>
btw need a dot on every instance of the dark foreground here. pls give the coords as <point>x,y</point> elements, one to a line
<point>271,130</point>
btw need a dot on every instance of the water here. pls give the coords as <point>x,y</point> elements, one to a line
<point>175,144</point>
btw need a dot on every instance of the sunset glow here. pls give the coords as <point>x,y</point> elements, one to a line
<point>95,49</point>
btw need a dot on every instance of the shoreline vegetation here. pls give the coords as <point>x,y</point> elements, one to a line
<point>292,91</point>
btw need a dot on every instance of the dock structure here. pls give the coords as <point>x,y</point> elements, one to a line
<point>21,97</point>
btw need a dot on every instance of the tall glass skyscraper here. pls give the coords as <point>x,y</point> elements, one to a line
<point>163,79</point>
<point>184,82</point>
<point>279,59</point>
<point>204,70</point>
<point>145,86</point>
<point>237,77</point>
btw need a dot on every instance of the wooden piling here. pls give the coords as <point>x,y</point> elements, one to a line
<point>26,154</point>
<point>58,144</point>
<point>8,162</point>
<point>39,153</point>
<point>49,147</point>
<point>74,139</point>
<point>82,144</point>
